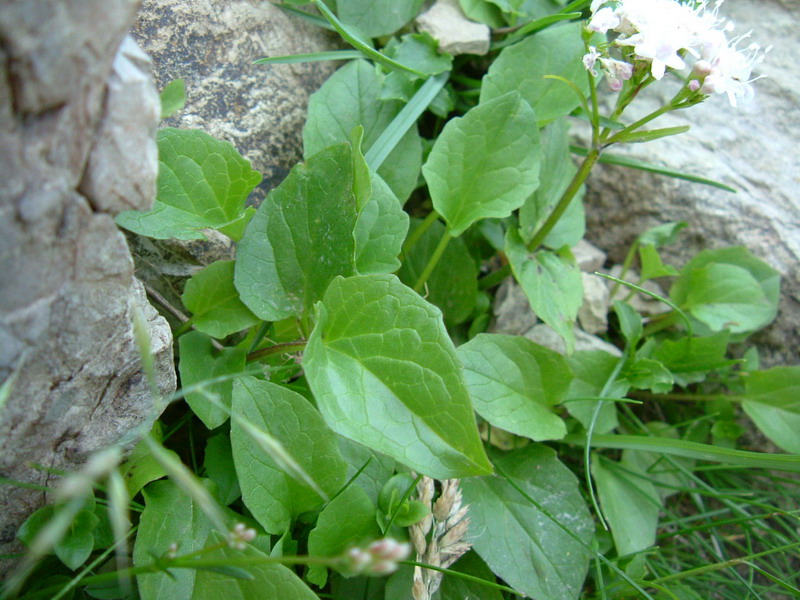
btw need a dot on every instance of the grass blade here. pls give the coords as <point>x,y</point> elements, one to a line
<point>310,57</point>
<point>634,163</point>
<point>404,120</point>
<point>758,460</point>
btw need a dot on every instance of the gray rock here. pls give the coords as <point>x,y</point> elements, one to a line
<point>593,313</point>
<point>212,44</point>
<point>588,257</point>
<point>544,335</point>
<point>125,140</point>
<point>446,23</point>
<point>511,309</point>
<point>752,148</point>
<point>68,293</point>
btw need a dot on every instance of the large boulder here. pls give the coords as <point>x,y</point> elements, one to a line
<point>752,148</point>
<point>211,45</point>
<point>78,112</point>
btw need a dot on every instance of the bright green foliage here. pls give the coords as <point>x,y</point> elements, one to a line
<point>201,362</point>
<point>552,283</point>
<point>220,468</point>
<point>300,238</point>
<point>380,230</point>
<point>728,289</point>
<point>385,374</point>
<point>517,540</point>
<point>173,98</point>
<point>374,19</point>
<point>350,98</point>
<point>691,359</point>
<point>592,368</point>
<point>264,581</point>
<point>420,52</point>
<point>652,265</point>
<point>484,164</point>
<point>453,284</point>
<point>170,517</point>
<point>273,494</point>
<point>77,543</point>
<point>483,11</point>
<point>214,302</point>
<point>378,467</point>
<point>514,383</point>
<point>524,66</point>
<point>648,374</point>
<point>556,173</point>
<point>202,183</point>
<point>630,504</point>
<point>141,467</point>
<point>666,473</point>
<point>772,400</point>
<point>348,520</point>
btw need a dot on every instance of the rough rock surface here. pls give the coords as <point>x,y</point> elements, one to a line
<point>68,293</point>
<point>211,45</point>
<point>751,148</point>
<point>456,34</point>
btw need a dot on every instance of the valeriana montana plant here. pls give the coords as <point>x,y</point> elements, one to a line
<point>347,398</point>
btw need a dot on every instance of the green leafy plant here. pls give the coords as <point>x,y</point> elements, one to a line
<point>346,401</point>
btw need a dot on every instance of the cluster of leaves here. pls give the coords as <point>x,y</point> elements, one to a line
<point>344,350</point>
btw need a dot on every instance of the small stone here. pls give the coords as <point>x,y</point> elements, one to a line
<point>512,311</point>
<point>456,34</point>
<point>544,335</point>
<point>593,314</point>
<point>588,256</point>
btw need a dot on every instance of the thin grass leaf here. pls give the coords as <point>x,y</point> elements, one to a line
<point>187,481</point>
<point>633,163</point>
<point>638,137</point>
<point>118,499</point>
<point>757,460</point>
<point>666,301</point>
<point>313,19</point>
<point>359,44</point>
<point>535,26</point>
<point>404,120</point>
<point>310,57</point>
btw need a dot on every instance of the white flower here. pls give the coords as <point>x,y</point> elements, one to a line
<point>603,20</point>
<point>731,72</point>
<point>590,58</point>
<point>616,71</point>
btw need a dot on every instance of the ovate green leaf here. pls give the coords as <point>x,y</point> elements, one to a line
<point>380,230</point>
<point>200,361</point>
<point>221,469</point>
<point>772,400</point>
<point>170,517</point>
<point>728,289</point>
<point>518,542</point>
<point>348,520</point>
<point>266,581</point>
<point>514,383</point>
<point>350,98</point>
<point>523,67</point>
<point>214,302</point>
<point>630,504</point>
<point>556,173</point>
<point>592,368</point>
<point>375,19</point>
<point>202,183</point>
<point>552,282</point>
<point>484,164</point>
<point>173,98</point>
<point>300,238</point>
<point>273,495</point>
<point>385,374</point>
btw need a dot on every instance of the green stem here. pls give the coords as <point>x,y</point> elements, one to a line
<point>284,348</point>
<point>686,397</point>
<point>576,183</point>
<point>183,327</point>
<point>405,497</point>
<point>415,236</point>
<point>434,260</point>
<point>494,278</point>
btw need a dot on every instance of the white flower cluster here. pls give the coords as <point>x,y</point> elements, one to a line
<point>663,33</point>
<point>379,558</point>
